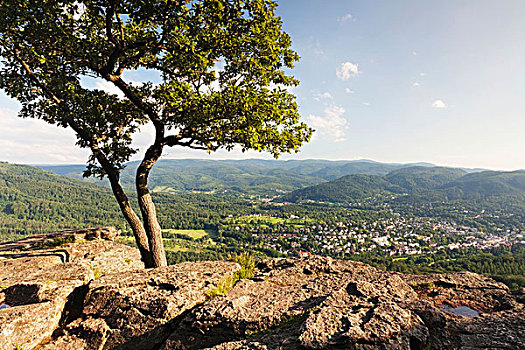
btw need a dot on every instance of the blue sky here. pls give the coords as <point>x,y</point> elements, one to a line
<point>394,81</point>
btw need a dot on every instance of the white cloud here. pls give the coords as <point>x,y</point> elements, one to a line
<point>422,74</point>
<point>314,46</point>
<point>77,9</point>
<point>366,103</point>
<point>345,18</point>
<point>323,96</point>
<point>414,53</point>
<point>47,143</point>
<point>109,88</point>
<point>349,91</point>
<point>331,125</point>
<point>347,70</point>
<point>318,51</point>
<point>439,104</point>
<point>416,83</point>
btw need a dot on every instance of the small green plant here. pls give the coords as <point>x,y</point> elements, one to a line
<point>129,261</point>
<point>247,271</point>
<point>16,347</point>
<point>222,287</point>
<point>423,287</point>
<point>96,272</point>
<point>247,263</point>
<point>58,241</point>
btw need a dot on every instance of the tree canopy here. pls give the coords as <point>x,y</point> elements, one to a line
<point>223,79</point>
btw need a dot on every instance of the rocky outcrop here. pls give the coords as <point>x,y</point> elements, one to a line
<point>94,294</point>
<point>137,310</point>
<point>499,317</point>
<point>40,273</point>
<point>314,303</point>
<point>80,290</point>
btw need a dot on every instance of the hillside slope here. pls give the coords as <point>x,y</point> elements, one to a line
<point>418,183</point>
<point>34,200</point>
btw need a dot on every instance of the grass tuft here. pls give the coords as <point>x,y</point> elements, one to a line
<point>58,241</point>
<point>247,271</point>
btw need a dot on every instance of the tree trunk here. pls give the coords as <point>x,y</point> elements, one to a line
<point>147,207</point>
<point>137,227</point>
<point>153,230</point>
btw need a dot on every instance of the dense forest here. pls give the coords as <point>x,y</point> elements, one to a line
<point>504,264</point>
<point>415,183</point>
<point>35,201</point>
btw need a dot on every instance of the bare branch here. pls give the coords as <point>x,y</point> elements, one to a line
<point>110,12</point>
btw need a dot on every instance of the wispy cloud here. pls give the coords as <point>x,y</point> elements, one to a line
<point>314,46</point>
<point>332,124</point>
<point>416,83</point>
<point>439,104</point>
<point>422,74</point>
<point>345,18</point>
<point>349,91</point>
<point>347,70</point>
<point>323,96</point>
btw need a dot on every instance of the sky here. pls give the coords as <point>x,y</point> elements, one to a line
<point>440,81</point>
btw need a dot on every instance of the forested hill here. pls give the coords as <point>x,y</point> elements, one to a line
<point>417,183</point>
<point>33,201</point>
<point>249,176</point>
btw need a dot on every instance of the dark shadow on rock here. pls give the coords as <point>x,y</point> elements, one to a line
<point>74,305</point>
<point>62,254</point>
<point>308,303</point>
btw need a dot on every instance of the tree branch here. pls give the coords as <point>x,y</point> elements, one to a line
<point>112,173</point>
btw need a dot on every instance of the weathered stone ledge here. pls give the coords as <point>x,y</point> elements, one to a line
<point>80,290</point>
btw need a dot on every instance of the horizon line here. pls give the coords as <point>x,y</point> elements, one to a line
<point>415,163</point>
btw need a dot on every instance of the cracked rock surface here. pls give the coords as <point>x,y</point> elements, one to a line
<point>94,294</point>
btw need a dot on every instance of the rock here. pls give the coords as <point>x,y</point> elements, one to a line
<point>320,303</point>
<point>72,293</point>
<point>499,330</point>
<point>36,289</point>
<point>137,307</point>
<point>462,288</point>
<point>501,324</point>
<point>39,274</point>
<point>313,303</point>
<point>95,333</point>
<point>368,312</point>
<point>56,239</point>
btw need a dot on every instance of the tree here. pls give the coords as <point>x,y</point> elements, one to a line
<point>223,82</point>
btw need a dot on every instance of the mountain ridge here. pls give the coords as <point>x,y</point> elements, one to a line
<point>238,176</point>
<point>449,183</point>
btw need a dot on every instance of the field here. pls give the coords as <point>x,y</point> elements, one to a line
<point>172,243</point>
<point>194,234</point>
<point>263,221</point>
